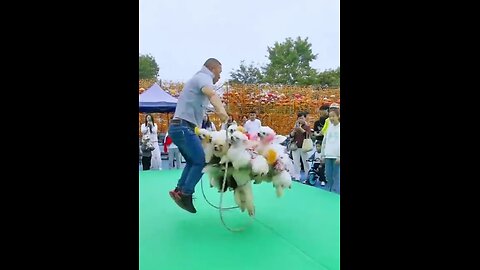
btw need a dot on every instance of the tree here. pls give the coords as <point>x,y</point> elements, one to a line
<point>329,77</point>
<point>147,67</point>
<point>290,63</point>
<point>246,74</point>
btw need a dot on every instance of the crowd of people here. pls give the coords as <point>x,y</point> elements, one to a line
<point>323,158</point>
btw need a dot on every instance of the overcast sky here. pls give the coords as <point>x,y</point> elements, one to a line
<point>182,34</point>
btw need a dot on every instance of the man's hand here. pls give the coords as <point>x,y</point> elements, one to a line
<point>337,161</point>
<point>223,117</point>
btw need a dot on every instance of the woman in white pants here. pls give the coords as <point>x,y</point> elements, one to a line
<point>331,152</point>
<point>298,134</point>
<point>150,128</point>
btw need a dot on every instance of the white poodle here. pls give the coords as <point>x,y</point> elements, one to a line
<point>206,139</point>
<point>237,152</point>
<point>281,181</point>
<point>219,143</point>
<point>260,168</point>
<point>267,135</point>
<point>244,198</point>
<point>216,174</point>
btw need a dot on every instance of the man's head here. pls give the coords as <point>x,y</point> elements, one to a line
<point>334,115</point>
<point>215,67</point>
<point>252,116</point>
<point>323,110</point>
<point>334,106</point>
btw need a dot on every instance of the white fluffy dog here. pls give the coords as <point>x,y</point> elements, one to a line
<point>281,181</point>
<point>272,153</point>
<point>244,198</point>
<point>267,136</point>
<point>277,160</point>
<point>219,143</point>
<point>232,129</point>
<point>260,168</point>
<point>284,162</point>
<point>241,176</point>
<point>216,174</point>
<point>281,170</point>
<point>241,162</point>
<point>206,139</point>
<point>261,159</point>
<point>237,153</point>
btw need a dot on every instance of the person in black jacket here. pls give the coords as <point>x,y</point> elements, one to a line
<point>318,125</point>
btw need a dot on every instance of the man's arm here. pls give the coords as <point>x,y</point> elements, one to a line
<point>216,102</point>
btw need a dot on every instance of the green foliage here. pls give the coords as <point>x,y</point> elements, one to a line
<point>290,63</point>
<point>246,74</point>
<point>330,77</point>
<point>147,67</point>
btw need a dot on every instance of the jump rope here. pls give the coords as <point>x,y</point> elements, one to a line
<point>223,191</point>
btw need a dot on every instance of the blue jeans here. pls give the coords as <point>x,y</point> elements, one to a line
<point>332,173</point>
<point>191,149</point>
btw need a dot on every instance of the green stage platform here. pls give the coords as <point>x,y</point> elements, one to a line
<point>300,230</point>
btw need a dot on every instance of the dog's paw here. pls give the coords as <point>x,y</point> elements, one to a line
<point>279,192</point>
<point>251,212</point>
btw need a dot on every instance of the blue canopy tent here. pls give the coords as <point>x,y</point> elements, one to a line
<point>156,100</point>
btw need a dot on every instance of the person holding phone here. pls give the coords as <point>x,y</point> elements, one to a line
<point>298,134</point>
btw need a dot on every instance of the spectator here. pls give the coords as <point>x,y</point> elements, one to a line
<point>331,152</point>
<point>147,148</point>
<point>252,126</point>
<point>318,163</point>
<point>174,156</point>
<point>150,128</point>
<point>229,123</point>
<point>299,133</point>
<point>244,120</point>
<point>327,122</point>
<point>206,124</point>
<point>318,125</point>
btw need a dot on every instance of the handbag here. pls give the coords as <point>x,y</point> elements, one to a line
<point>292,146</point>
<point>307,144</point>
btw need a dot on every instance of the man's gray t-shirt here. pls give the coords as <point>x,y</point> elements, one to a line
<point>192,103</point>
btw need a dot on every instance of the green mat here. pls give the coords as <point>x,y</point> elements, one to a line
<point>300,230</point>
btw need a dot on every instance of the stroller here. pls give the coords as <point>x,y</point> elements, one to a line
<point>316,173</point>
